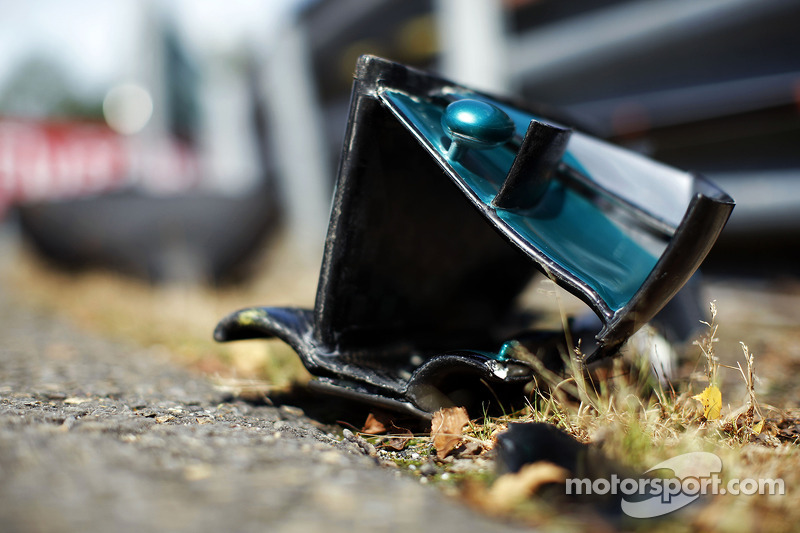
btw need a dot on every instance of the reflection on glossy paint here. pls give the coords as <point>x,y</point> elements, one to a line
<point>568,226</point>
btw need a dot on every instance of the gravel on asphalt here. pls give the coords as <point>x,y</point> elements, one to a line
<point>97,435</point>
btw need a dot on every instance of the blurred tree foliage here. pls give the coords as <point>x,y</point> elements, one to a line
<point>41,88</point>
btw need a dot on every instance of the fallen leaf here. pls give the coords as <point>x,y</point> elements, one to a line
<point>758,427</point>
<point>711,398</point>
<point>513,488</point>
<point>447,427</point>
<point>375,424</point>
<point>400,439</point>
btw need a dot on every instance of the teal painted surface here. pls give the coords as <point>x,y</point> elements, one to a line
<point>483,170</point>
<point>477,124</point>
<point>510,346</point>
<point>566,226</point>
<point>582,239</point>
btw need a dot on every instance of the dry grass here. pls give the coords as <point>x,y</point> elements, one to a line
<point>178,317</point>
<point>630,419</point>
<point>636,422</point>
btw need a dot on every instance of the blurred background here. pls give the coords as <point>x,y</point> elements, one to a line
<point>195,142</point>
<point>173,140</point>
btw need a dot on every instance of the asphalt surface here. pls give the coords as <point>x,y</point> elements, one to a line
<point>101,436</point>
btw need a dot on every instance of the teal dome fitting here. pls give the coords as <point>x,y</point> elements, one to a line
<point>471,123</point>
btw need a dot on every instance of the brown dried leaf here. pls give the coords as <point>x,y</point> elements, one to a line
<point>375,424</point>
<point>447,427</point>
<point>399,441</point>
<point>511,489</point>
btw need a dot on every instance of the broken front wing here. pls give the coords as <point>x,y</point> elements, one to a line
<point>447,202</point>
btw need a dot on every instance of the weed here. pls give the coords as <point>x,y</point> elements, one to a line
<point>634,419</point>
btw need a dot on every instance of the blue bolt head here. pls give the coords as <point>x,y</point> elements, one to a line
<point>476,124</point>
